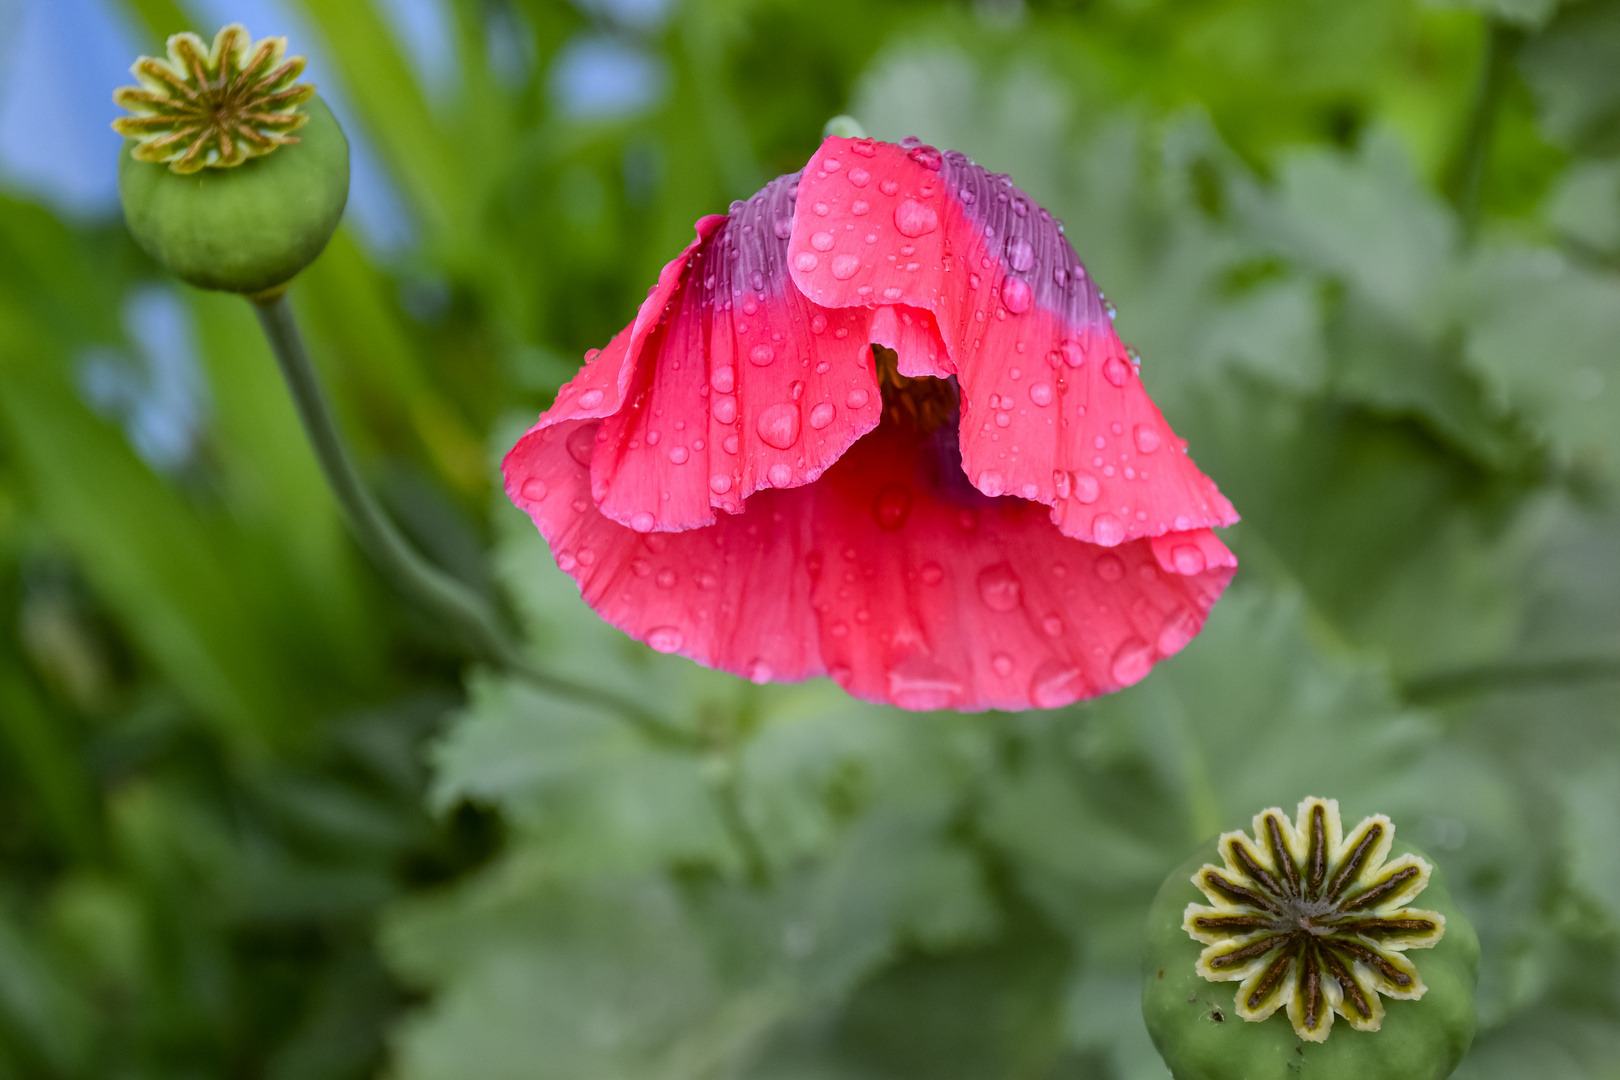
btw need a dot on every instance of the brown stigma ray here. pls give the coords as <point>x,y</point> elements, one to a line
<point>216,106</point>
<point>1307,918</point>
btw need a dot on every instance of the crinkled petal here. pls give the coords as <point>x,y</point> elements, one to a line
<point>1053,409</point>
<point>891,574</point>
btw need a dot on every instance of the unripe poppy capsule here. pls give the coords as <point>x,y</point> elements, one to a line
<point>1274,961</point>
<point>215,185</point>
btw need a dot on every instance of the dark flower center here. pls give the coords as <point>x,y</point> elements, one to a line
<point>920,404</point>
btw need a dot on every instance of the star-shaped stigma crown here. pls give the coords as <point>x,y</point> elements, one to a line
<point>1305,916</point>
<point>214,107</point>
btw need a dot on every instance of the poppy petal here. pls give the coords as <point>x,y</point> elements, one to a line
<point>1052,407</point>
<point>891,574</point>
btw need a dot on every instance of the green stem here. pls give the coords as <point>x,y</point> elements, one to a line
<point>1501,678</point>
<point>469,614</point>
<point>1472,160</point>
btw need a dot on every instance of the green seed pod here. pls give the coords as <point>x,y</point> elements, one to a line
<point>1250,956</point>
<point>215,186</point>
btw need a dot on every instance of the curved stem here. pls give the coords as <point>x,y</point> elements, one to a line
<point>469,614</point>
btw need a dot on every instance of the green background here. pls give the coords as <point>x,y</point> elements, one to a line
<point>258,818</point>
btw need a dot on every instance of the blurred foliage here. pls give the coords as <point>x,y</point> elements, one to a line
<point>257,820</point>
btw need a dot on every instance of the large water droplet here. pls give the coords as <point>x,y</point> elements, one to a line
<point>927,157</point>
<point>822,415</point>
<point>582,443</point>
<point>1020,254</point>
<point>1086,487</point>
<point>534,489</point>
<point>784,228</point>
<point>1116,370</point>
<point>891,507</point>
<point>1056,683</point>
<point>1000,588</point>
<point>678,455</point>
<point>1016,295</point>
<point>859,177</point>
<point>991,482</point>
<point>821,241</point>
<point>922,684</point>
<point>1147,438</point>
<point>642,521</point>
<point>845,267</point>
<point>1132,662</point>
<point>913,218</point>
<point>723,379</point>
<point>1040,393</point>
<point>1107,530</point>
<point>779,425</point>
<point>719,483</point>
<point>759,672</point>
<point>665,639</point>
<point>761,355</point>
<point>590,399</point>
<point>724,409</point>
<point>857,399</point>
<point>805,261</point>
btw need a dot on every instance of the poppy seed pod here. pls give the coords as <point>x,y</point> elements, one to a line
<point>1310,923</point>
<point>214,185</point>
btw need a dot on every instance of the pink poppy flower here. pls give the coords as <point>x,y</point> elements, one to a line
<point>985,512</point>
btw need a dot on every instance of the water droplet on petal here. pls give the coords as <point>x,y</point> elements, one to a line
<point>1110,569</point>
<point>845,267</point>
<point>1020,254</point>
<point>922,684</point>
<point>582,443</point>
<point>590,399</point>
<point>891,507</point>
<point>1086,487</point>
<point>1001,664</point>
<point>1055,684</point>
<point>723,379</point>
<point>566,562</point>
<point>1062,483</point>
<point>1187,559</point>
<point>805,261</point>
<point>859,177</point>
<point>931,574</point>
<point>666,578</point>
<point>678,455</point>
<point>821,241</point>
<point>1132,663</point>
<point>761,355</point>
<point>1179,628</point>
<point>822,415</point>
<point>990,482</point>
<point>779,475</point>
<point>642,521</point>
<point>784,228</point>
<point>1147,438</point>
<point>888,187</point>
<point>1000,588</point>
<point>857,399</point>
<point>1107,530</point>
<point>719,483</point>
<point>1016,295</point>
<point>779,425</point>
<point>1040,393</point>
<point>864,147</point>
<point>759,673</point>
<point>913,218</point>
<point>729,444</point>
<point>724,409</point>
<point>1053,626</point>
<point>534,489</point>
<point>665,639</point>
<point>927,157</point>
<point>1116,371</point>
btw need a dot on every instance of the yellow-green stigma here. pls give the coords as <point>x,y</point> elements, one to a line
<point>1308,919</point>
<point>214,107</point>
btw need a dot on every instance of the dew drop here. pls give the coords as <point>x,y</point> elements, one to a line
<point>582,443</point>
<point>1020,254</point>
<point>821,209</point>
<point>1179,628</point>
<point>857,399</point>
<point>1132,663</point>
<point>719,483</point>
<point>729,445</point>
<point>1000,588</point>
<point>927,157</point>
<point>845,267</point>
<point>805,261</point>
<point>1187,559</point>
<point>1110,569</point>
<point>818,323</point>
<point>1086,487</point>
<point>1001,664</point>
<point>1055,684</point>
<point>1040,393</point>
<point>665,639</point>
<point>779,475</point>
<point>990,482</point>
<point>1016,295</point>
<point>724,409</point>
<point>566,562</point>
<point>1147,438</point>
<point>640,567</point>
<point>1116,371</point>
<point>913,218</point>
<point>678,455</point>
<point>666,578</point>
<point>891,507</point>
<point>642,521</point>
<point>821,241</point>
<point>1052,626</point>
<point>1062,483</point>
<point>931,574</point>
<point>590,399</point>
<point>864,147</point>
<point>922,684</point>
<point>1107,530</point>
<point>534,489</point>
<point>859,177</point>
<point>723,379</point>
<point>761,355</point>
<point>822,415</point>
<point>783,228</point>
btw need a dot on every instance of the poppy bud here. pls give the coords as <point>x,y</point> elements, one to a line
<point>1312,924</point>
<point>215,185</point>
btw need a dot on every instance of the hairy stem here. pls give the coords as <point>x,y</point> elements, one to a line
<point>471,616</point>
